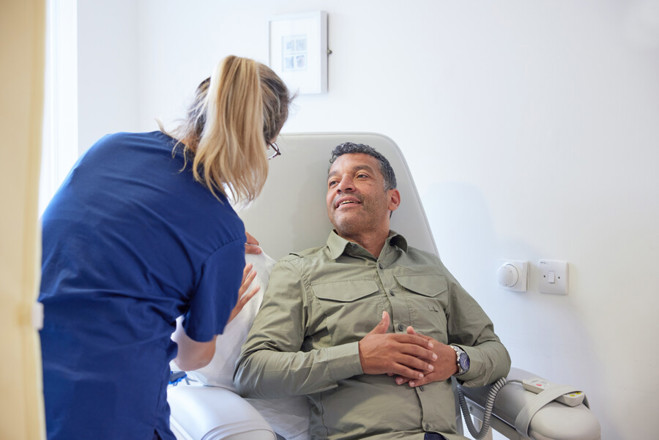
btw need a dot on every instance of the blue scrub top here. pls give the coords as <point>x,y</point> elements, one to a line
<point>130,242</point>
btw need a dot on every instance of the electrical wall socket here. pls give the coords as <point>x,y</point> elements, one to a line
<point>553,277</point>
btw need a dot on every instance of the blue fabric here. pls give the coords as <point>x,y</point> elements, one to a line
<point>433,436</point>
<point>130,242</point>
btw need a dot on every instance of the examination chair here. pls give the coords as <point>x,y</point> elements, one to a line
<point>290,214</point>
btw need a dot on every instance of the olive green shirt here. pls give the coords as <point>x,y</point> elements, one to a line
<point>322,301</point>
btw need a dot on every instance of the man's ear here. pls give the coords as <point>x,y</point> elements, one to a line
<point>394,199</point>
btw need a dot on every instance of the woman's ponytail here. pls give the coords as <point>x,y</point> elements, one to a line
<point>236,112</point>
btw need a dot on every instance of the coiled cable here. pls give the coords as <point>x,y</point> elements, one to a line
<point>487,414</point>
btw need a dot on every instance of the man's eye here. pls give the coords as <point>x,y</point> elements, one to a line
<point>331,183</point>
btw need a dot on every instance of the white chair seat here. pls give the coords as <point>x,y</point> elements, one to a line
<point>211,413</point>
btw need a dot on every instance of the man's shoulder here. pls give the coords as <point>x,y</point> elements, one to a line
<point>304,263</point>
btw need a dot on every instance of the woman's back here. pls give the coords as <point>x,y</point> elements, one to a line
<point>150,244</point>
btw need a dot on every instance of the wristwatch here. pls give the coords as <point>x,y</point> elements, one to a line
<point>462,359</point>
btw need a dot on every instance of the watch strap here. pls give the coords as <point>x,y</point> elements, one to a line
<point>458,354</point>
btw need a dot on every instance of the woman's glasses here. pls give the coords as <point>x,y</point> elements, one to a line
<point>273,150</point>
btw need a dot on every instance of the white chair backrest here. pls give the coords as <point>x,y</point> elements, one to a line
<point>290,214</point>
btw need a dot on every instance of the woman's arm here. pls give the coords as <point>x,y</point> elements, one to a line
<point>193,355</point>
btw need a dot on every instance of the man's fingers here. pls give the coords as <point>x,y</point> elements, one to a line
<point>382,326</point>
<point>406,370</point>
<point>409,355</point>
<point>412,382</point>
<point>405,359</point>
<point>418,382</point>
<point>411,331</point>
<point>415,363</point>
<point>443,362</point>
<point>400,380</point>
<point>415,340</point>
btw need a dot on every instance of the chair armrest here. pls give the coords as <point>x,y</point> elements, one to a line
<point>552,420</point>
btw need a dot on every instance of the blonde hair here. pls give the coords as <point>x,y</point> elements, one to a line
<point>235,113</point>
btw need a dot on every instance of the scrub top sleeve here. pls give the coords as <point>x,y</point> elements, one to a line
<point>216,292</point>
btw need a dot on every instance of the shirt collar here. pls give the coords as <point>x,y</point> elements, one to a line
<point>337,245</point>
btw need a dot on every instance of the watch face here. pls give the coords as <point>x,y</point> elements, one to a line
<point>464,361</point>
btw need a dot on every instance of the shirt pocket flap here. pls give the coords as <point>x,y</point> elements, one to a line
<point>345,291</point>
<point>426,285</point>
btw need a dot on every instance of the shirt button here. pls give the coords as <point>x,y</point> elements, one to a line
<point>401,327</point>
<point>427,427</point>
<point>421,388</point>
<point>391,292</point>
<point>380,266</point>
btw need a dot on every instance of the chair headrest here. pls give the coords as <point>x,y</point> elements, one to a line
<point>290,214</point>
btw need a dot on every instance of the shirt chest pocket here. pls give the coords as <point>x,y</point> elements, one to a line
<point>350,308</point>
<point>427,300</point>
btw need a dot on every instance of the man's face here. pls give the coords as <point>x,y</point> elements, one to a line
<point>356,199</point>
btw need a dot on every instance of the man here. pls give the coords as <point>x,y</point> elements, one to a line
<point>371,330</point>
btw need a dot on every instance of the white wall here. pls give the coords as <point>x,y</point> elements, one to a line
<point>531,128</point>
<point>108,68</point>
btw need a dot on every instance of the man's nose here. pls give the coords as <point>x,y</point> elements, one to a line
<point>345,184</point>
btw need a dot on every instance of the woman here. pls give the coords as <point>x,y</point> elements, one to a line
<point>140,233</point>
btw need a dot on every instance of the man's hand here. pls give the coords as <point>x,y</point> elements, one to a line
<point>243,294</point>
<point>407,355</point>
<point>252,245</point>
<point>445,364</point>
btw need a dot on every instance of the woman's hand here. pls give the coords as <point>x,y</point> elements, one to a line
<point>252,245</point>
<point>243,294</point>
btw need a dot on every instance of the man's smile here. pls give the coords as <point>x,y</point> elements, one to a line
<point>343,201</point>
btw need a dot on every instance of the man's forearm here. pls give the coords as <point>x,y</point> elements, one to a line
<point>489,361</point>
<point>268,373</point>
